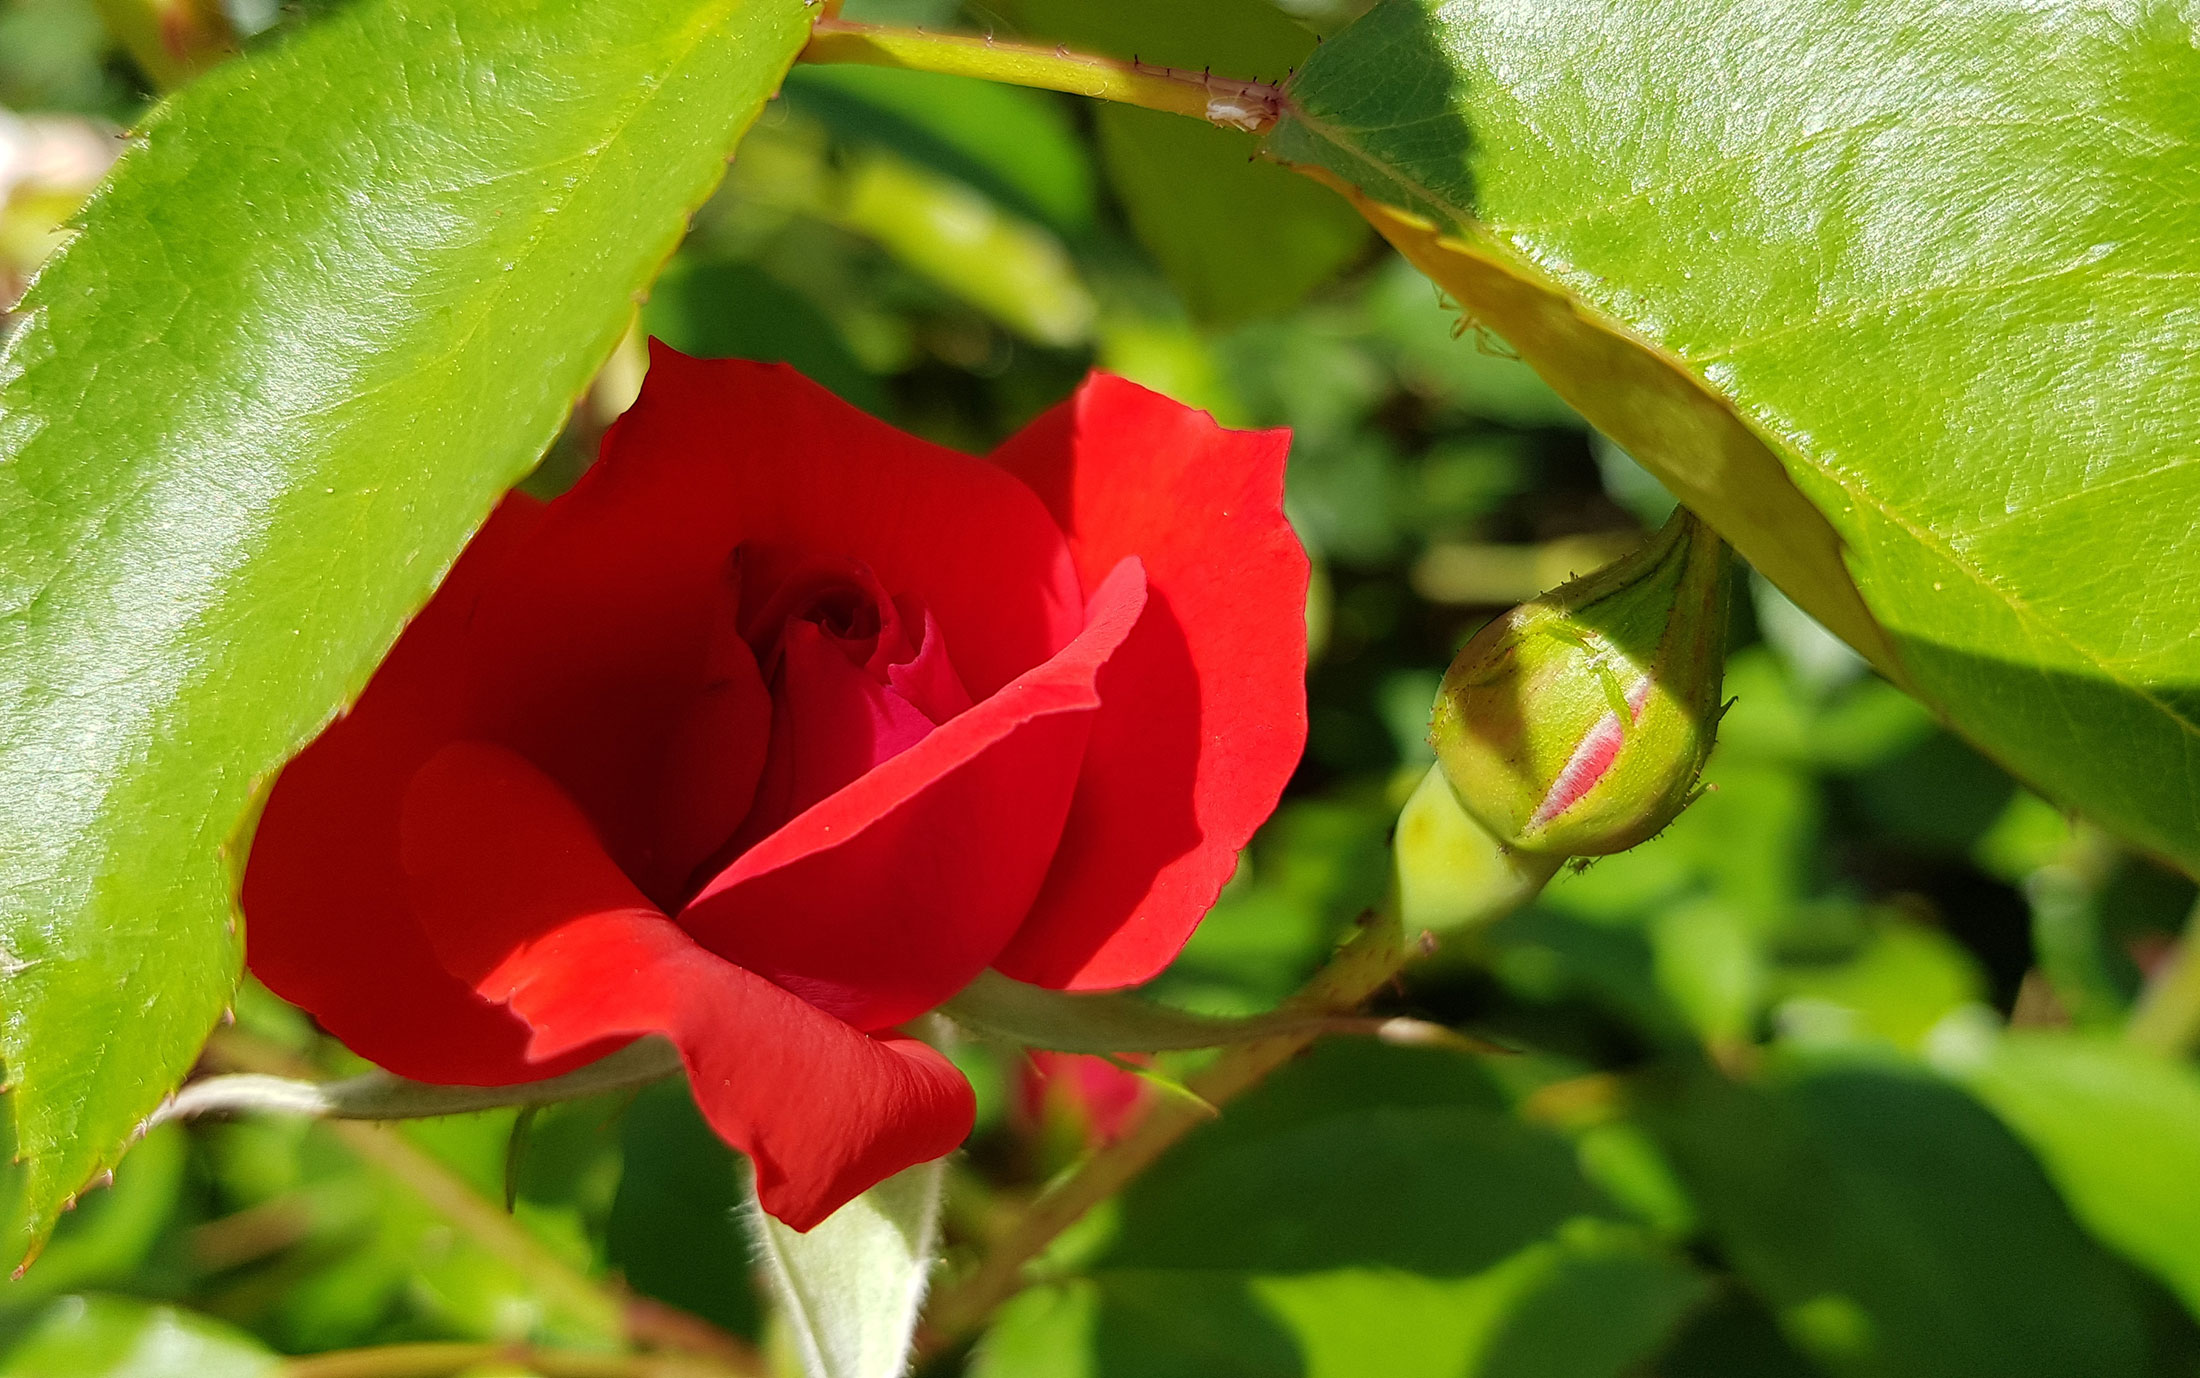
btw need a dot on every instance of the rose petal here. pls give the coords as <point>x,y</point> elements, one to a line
<point>831,723</point>
<point>525,904</point>
<point>328,926</point>
<point>1204,708</point>
<point>615,663</point>
<point>721,452</point>
<point>890,895</point>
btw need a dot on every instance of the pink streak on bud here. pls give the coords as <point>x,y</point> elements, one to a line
<point>1591,759</point>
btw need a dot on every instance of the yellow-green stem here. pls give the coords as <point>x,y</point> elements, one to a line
<point>1248,105</point>
<point>442,1360</point>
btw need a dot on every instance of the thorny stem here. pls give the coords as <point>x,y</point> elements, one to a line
<point>1360,968</point>
<point>1248,105</point>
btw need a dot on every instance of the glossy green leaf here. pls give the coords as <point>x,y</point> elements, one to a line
<point>1892,296</point>
<point>110,1337</point>
<point>112,1230</point>
<point>336,301</point>
<point>2117,1127</point>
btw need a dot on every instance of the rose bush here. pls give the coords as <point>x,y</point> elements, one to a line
<point>778,729</point>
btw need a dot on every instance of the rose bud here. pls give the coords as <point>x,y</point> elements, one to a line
<point>1577,723</point>
<point>1090,1099</point>
<point>778,729</point>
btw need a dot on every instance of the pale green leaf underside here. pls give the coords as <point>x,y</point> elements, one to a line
<point>850,1289</point>
<point>339,298</point>
<point>1940,260</point>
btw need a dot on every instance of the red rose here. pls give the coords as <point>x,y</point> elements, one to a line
<point>774,732</point>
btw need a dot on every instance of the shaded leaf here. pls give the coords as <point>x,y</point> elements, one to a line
<point>2118,1129</point>
<point>1896,1228</point>
<point>1237,238</point>
<point>676,1231</point>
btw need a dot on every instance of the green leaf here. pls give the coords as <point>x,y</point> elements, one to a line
<point>335,302</point>
<point>2118,1129</point>
<point>1885,295</point>
<point>1896,1228</point>
<point>110,1337</point>
<point>850,1288</point>
<point>108,1236</point>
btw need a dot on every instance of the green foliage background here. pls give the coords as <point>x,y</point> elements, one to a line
<point>1825,1080</point>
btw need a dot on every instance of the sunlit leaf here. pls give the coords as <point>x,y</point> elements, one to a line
<point>337,300</point>
<point>1891,296</point>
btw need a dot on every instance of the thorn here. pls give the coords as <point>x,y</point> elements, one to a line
<point>68,1203</point>
<point>229,1015</point>
<point>105,1179</point>
<point>1428,943</point>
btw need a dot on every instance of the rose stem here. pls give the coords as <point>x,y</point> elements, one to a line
<point>1248,105</point>
<point>1360,968</point>
<point>601,1309</point>
<point>437,1360</point>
